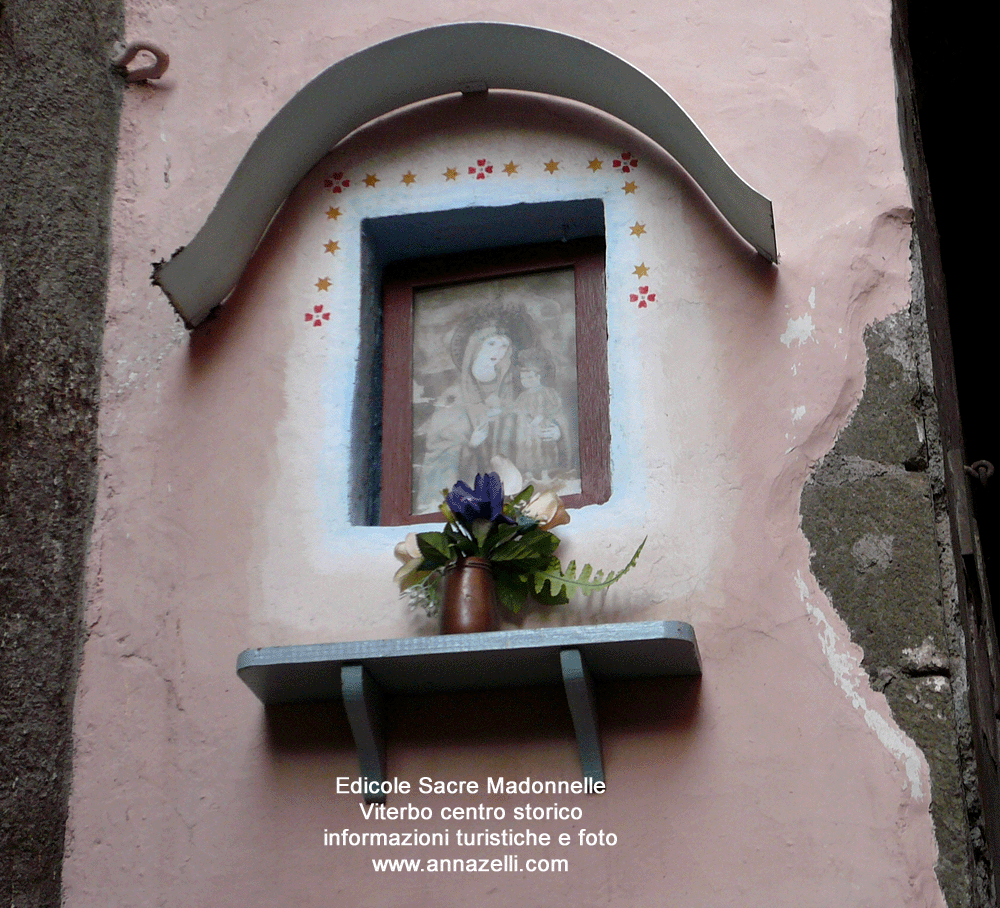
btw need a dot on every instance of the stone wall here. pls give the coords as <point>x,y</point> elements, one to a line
<point>59,105</point>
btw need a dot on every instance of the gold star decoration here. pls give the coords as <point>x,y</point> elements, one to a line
<point>323,284</point>
<point>331,246</point>
<point>641,270</point>
<point>552,166</point>
<point>596,165</point>
<point>332,213</point>
<point>511,168</point>
<point>409,178</point>
<point>638,229</point>
<point>451,174</point>
<point>630,188</point>
<point>371,180</point>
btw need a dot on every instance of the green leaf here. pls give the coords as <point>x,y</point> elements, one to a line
<point>512,591</point>
<point>413,579</point>
<point>524,496</point>
<point>461,544</point>
<point>481,528</point>
<point>545,596</point>
<point>525,555</point>
<point>534,549</point>
<point>504,533</point>
<point>526,523</point>
<point>553,582</point>
<point>436,548</point>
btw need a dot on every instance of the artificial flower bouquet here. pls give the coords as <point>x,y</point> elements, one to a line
<point>513,533</point>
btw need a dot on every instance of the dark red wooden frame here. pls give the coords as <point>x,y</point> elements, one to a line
<point>400,280</point>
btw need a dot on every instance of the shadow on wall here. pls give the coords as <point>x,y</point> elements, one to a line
<point>663,708</point>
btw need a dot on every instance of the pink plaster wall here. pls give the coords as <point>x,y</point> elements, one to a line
<point>779,780</point>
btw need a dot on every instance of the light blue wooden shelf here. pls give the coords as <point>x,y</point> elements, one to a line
<point>361,673</point>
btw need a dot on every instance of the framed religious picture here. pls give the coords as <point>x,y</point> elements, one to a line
<point>493,356</point>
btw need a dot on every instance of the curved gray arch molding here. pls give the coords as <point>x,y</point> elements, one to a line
<point>421,65</point>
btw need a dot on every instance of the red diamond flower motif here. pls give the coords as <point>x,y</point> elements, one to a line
<point>336,182</point>
<point>482,168</point>
<point>317,316</point>
<point>643,297</point>
<point>626,163</point>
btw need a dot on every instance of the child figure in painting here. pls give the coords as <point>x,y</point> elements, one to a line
<point>540,432</point>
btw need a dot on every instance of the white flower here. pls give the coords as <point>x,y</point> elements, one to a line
<point>408,548</point>
<point>547,508</point>
<point>409,553</point>
<point>509,474</point>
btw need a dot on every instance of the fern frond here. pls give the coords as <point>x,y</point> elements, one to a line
<point>555,583</point>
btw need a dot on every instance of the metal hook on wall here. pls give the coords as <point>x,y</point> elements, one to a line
<point>129,52</point>
<point>981,470</point>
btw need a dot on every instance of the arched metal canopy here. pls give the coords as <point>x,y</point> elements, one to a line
<point>421,65</point>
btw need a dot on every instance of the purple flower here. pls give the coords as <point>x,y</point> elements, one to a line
<point>484,502</point>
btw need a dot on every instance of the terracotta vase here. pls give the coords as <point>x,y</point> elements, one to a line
<point>469,604</point>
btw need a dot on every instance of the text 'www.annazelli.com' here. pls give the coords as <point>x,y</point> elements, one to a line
<point>509,863</point>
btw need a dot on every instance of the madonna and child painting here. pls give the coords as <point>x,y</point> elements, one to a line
<point>494,375</point>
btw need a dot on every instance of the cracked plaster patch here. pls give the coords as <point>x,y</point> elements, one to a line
<point>849,675</point>
<point>799,330</point>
